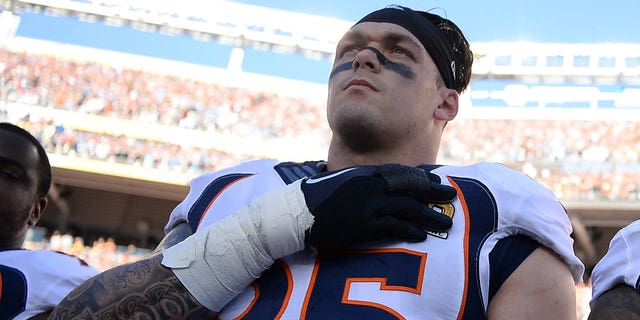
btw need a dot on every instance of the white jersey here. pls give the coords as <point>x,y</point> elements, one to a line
<point>448,276</point>
<point>621,264</point>
<point>34,282</point>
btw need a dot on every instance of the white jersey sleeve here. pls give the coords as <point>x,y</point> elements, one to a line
<point>524,207</point>
<point>34,282</point>
<point>204,189</point>
<point>621,263</point>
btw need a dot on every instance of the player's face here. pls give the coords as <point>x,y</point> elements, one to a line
<point>383,88</point>
<point>19,203</point>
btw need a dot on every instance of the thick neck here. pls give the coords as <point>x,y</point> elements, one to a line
<point>340,156</point>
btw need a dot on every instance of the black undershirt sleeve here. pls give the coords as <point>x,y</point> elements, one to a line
<point>508,254</point>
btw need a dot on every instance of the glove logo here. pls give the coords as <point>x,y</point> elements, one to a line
<point>330,176</point>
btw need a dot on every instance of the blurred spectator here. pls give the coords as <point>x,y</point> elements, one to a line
<point>102,254</point>
<point>93,88</point>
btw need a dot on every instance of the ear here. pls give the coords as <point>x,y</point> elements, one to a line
<point>37,211</point>
<point>448,108</point>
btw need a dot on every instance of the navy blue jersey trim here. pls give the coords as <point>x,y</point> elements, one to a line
<point>483,221</point>
<point>507,255</point>
<point>11,249</point>
<point>14,292</point>
<point>210,192</point>
<point>292,171</point>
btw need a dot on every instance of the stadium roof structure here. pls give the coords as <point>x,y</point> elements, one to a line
<point>244,25</point>
<point>224,21</point>
<point>598,63</point>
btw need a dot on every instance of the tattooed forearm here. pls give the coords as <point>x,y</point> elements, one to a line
<point>621,302</point>
<point>139,290</point>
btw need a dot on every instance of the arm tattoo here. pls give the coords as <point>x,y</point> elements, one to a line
<point>140,290</point>
<point>621,302</point>
<point>41,316</point>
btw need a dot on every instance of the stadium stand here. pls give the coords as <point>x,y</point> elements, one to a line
<point>554,151</point>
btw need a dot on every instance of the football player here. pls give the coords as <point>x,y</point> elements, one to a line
<point>379,230</point>
<point>616,278</point>
<point>31,282</point>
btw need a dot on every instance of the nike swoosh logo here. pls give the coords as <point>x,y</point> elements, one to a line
<point>316,180</point>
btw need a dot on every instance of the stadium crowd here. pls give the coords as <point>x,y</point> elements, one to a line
<point>101,254</point>
<point>575,170</point>
<point>586,160</point>
<point>94,88</point>
<point>58,139</point>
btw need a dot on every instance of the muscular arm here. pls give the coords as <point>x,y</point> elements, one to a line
<point>41,316</point>
<point>540,288</point>
<point>140,290</point>
<point>621,302</point>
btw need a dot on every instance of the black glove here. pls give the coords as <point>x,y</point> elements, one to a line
<point>371,203</point>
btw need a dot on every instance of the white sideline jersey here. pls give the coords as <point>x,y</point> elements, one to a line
<point>447,276</point>
<point>621,263</point>
<point>34,282</point>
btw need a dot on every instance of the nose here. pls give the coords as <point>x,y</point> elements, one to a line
<point>367,58</point>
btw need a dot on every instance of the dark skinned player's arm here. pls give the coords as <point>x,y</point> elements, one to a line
<point>621,302</point>
<point>140,290</point>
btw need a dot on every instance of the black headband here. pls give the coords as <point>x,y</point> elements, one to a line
<point>431,38</point>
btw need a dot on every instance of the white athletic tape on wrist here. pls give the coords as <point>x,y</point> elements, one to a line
<point>215,264</point>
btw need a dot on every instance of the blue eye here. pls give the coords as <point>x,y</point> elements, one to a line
<point>401,51</point>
